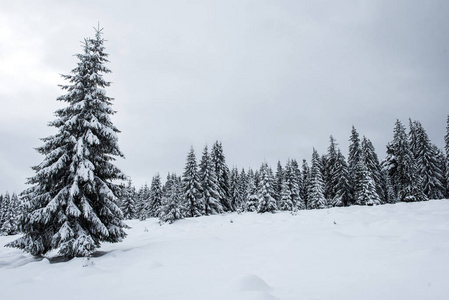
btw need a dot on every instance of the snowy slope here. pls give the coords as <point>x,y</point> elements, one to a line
<point>396,251</point>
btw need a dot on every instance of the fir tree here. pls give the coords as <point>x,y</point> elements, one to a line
<point>252,200</point>
<point>235,189</point>
<point>372,163</point>
<point>155,196</point>
<point>342,188</point>
<point>128,204</point>
<point>316,187</point>
<point>222,173</point>
<point>209,185</point>
<point>355,151</point>
<point>243,186</point>
<point>279,178</point>
<point>265,191</point>
<point>191,187</point>
<point>286,203</point>
<point>304,190</point>
<point>291,180</point>
<point>367,194</point>
<point>143,203</point>
<point>172,208</point>
<point>426,157</point>
<point>330,178</point>
<point>72,204</point>
<point>401,168</point>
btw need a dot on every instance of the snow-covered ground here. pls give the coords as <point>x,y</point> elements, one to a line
<point>396,251</point>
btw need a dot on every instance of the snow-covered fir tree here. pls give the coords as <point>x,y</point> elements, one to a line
<point>291,180</point>
<point>72,205</point>
<point>355,151</point>
<point>429,168</point>
<point>172,208</point>
<point>265,191</point>
<point>191,187</point>
<point>155,196</point>
<point>401,168</point>
<point>305,176</point>
<point>243,186</point>
<point>342,188</point>
<point>222,173</point>
<point>234,189</point>
<point>367,194</point>
<point>209,185</point>
<point>316,188</point>
<point>330,178</point>
<point>128,203</point>
<point>252,200</point>
<point>9,212</point>
<point>143,203</point>
<point>286,203</point>
<point>372,163</point>
<point>279,178</point>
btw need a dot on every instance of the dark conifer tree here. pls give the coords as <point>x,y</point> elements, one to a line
<point>401,168</point>
<point>191,187</point>
<point>429,168</point>
<point>222,173</point>
<point>291,181</point>
<point>128,204</point>
<point>355,151</point>
<point>243,186</point>
<point>341,177</point>
<point>372,163</point>
<point>265,191</point>
<point>172,208</point>
<point>72,205</point>
<point>286,203</point>
<point>279,177</point>
<point>367,193</point>
<point>143,203</point>
<point>155,196</point>
<point>304,190</point>
<point>209,185</point>
<point>330,175</point>
<point>446,148</point>
<point>252,200</point>
<point>316,188</point>
<point>235,189</point>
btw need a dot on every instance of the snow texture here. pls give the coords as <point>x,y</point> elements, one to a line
<point>398,251</point>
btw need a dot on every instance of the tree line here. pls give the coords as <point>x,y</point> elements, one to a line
<point>414,169</point>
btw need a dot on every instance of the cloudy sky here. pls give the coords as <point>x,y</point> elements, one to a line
<point>270,79</point>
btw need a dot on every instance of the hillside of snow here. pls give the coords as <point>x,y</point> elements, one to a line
<point>396,251</point>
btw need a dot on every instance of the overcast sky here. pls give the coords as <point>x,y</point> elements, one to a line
<point>270,79</point>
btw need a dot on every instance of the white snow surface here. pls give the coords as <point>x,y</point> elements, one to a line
<point>396,251</point>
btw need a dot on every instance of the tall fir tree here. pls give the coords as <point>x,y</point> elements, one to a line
<point>316,187</point>
<point>304,189</point>
<point>155,196</point>
<point>72,205</point>
<point>243,186</point>
<point>234,189</point>
<point>252,200</point>
<point>372,163</point>
<point>191,187</point>
<point>291,180</point>
<point>265,191</point>
<point>367,194</point>
<point>222,173</point>
<point>209,185</point>
<point>128,203</point>
<point>330,177</point>
<point>355,152</point>
<point>401,168</point>
<point>279,177</point>
<point>429,168</point>
<point>341,177</point>
<point>143,203</point>
<point>172,208</point>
